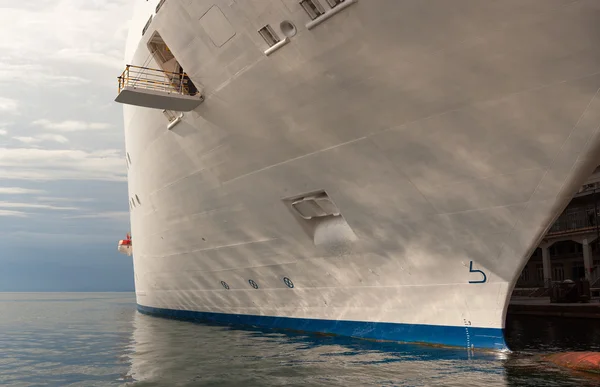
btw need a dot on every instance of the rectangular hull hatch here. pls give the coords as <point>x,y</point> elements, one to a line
<point>321,219</point>
<point>158,89</point>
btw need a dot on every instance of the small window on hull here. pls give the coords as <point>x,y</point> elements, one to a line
<point>334,3</point>
<point>313,8</point>
<point>160,4</point>
<point>269,35</point>
<point>147,25</point>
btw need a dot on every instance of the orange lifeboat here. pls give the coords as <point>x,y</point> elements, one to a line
<point>125,246</point>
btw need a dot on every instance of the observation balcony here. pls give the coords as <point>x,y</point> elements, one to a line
<point>158,89</point>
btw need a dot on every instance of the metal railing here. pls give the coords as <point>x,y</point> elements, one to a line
<point>591,187</point>
<point>595,277</point>
<point>579,220</point>
<point>154,79</point>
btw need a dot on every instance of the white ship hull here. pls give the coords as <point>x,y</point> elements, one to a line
<point>448,134</point>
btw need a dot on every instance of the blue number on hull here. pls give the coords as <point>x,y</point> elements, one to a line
<point>477,271</point>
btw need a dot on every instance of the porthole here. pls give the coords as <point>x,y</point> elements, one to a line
<point>253,284</point>
<point>288,282</point>
<point>287,28</point>
<point>224,284</point>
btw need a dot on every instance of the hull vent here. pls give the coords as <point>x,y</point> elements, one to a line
<point>321,219</point>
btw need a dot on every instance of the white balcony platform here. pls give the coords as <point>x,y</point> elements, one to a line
<point>158,99</point>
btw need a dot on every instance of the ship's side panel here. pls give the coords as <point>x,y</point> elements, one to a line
<point>448,134</point>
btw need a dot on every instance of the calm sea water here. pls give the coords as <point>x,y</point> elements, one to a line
<point>69,339</point>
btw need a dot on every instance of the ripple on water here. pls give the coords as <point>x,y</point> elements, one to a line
<point>99,339</point>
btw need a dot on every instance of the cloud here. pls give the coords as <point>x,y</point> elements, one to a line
<point>27,140</point>
<point>76,55</point>
<point>53,137</point>
<point>115,215</point>
<point>70,125</point>
<point>80,31</point>
<point>19,190</point>
<point>3,126</point>
<point>18,214</point>
<point>61,200</point>
<point>36,75</point>
<point>41,138</point>
<point>36,206</point>
<point>82,236</point>
<point>8,105</point>
<point>47,164</point>
<point>58,67</point>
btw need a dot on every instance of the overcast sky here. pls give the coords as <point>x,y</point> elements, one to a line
<point>63,189</point>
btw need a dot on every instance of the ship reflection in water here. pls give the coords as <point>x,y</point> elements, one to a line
<point>169,352</point>
<point>98,339</point>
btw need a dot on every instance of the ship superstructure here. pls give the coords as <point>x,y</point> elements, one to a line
<point>379,169</point>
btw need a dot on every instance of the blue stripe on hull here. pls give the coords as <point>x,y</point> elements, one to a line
<point>488,338</point>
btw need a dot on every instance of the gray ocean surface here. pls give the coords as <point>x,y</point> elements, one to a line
<point>99,339</point>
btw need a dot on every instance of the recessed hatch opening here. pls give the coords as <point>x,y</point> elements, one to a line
<point>169,64</point>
